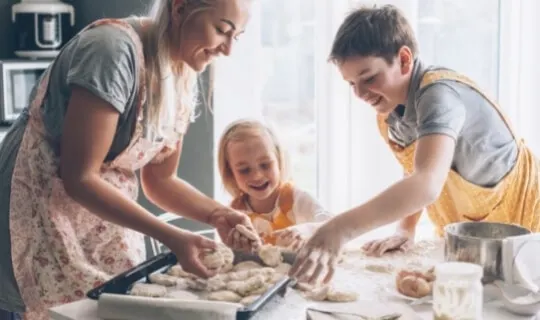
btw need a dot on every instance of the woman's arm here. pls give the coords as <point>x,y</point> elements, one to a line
<point>433,158</point>
<point>164,188</point>
<point>89,129</point>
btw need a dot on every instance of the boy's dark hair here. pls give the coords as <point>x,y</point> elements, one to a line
<point>373,31</point>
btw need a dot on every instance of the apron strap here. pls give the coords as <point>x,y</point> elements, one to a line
<point>436,75</point>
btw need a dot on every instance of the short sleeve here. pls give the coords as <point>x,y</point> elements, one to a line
<point>440,110</point>
<point>307,209</point>
<point>104,62</point>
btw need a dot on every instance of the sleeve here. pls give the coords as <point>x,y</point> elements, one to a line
<point>104,62</point>
<point>307,209</point>
<point>440,110</point>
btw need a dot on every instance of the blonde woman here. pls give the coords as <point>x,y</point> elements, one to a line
<point>253,170</point>
<point>117,99</point>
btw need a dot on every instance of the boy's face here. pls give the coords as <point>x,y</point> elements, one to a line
<point>378,83</point>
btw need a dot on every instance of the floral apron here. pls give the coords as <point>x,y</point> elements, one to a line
<point>59,249</point>
<point>515,199</point>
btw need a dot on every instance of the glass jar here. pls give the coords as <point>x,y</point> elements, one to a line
<point>458,291</point>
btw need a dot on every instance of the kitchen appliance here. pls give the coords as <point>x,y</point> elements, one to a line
<point>507,253</point>
<point>17,79</point>
<point>42,27</point>
<point>114,303</point>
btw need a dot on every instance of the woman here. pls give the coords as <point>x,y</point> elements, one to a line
<point>118,98</point>
<point>461,157</point>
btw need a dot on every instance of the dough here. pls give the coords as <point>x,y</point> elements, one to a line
<point>197,284</point>
<point>215,284</point>
<point>276,277</point>
<point>266,272</point>
<point>246,232</point>
<point>341,296</point>
<point>177,271</point>
<point>270,255</point>
<point>317,294</point>
<point>182,294</point>
<point>224,295</point>
<point>265,287</point>
<point>213,259</point>
<point>247,286</point>
<point>228,257</point>
<point>239,275</point>
<point>148,290</point>
<point>301,286</point>
<point>379,268</point>
<point>283,268</point>
<point>415,287</point>
<point>164,279</point>
<point>249,300</point>
<point>246,265</point>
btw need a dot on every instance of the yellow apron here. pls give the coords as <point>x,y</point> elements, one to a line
<point>515,199</point>
<point>279,219</point>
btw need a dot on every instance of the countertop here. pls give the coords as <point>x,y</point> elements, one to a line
<point>353,274</point>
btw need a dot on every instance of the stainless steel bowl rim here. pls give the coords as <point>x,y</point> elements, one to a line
<point>448,229</point>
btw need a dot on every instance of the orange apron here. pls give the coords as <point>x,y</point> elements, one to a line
<point>279,219</point>
<point>59,249</point>
<point>515,199</point>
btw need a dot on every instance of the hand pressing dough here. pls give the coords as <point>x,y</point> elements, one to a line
<point>245,287</point>
<point>164,279</point>
<point>148,290</point>
<point>283,268</point>
<point>270,255</point>
<point>224,295</point>
<point>177,271</point>
<point>276,277</point>
<point>246,265</point>
<point>228,257</point>
<point>243,230</point>
<point>182,294</point>
<point>317,294</point>
<point>249,300</point>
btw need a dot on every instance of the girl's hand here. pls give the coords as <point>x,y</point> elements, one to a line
<point>290,238</point>
<point>319,256</point>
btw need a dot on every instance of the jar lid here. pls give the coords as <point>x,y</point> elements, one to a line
<point>459,270</point>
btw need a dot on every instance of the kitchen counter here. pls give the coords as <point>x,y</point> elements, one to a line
<point>354,274</point>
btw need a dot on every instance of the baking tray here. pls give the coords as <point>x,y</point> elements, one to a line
<point>122,283</point>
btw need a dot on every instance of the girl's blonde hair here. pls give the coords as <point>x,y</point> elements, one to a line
<point>239,131</point>
<point>158,62</point>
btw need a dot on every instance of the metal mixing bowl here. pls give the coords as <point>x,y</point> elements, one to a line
<point>480,243</point>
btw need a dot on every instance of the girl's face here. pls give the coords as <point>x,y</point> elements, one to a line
<point>209,33</point>
<point>377,82</point>
<point>255,166</point>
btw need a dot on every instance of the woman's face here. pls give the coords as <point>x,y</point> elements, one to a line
<point>209,33</point>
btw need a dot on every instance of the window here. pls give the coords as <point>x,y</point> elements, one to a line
<point>278,72</point>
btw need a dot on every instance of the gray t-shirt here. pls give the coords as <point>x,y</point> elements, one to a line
<point>485,149</point>
<point>101,60</point>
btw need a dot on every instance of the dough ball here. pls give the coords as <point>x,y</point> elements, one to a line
<point>182,294</point>
<point>177,271</point>
<point>148,290</point>
<point>164,279</point>
<point>224,295</point>
<point>197,284</point>
<point>283,268</point>
<point>276,277</point>
<point>247,286</point>
<point>212,259</point>
<point>415,287</point>
<point>228,257</point>
<point>246,265</point>
<point>341,296</point>
<point>270,255</point>
<point>239,275</point>
<point>265,287</point>
<point>249,300</point>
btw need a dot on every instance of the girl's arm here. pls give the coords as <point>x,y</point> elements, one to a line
<point>433,158</point>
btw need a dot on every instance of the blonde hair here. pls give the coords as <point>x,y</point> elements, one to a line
<point>158,62</point>
<point>239,131</point>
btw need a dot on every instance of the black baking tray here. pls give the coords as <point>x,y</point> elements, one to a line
<point>122,283</point>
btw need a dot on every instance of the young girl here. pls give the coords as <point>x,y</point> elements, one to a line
<point>461,158</point>
<point>253,170</point>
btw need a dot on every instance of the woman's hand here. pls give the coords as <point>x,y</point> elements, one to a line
<point>290,238</point>
<point>225,220</point>
<point>319,255</point>
<point>401,240</point>
<point>188,248</point>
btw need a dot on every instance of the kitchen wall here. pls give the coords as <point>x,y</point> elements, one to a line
<point>197,164</point>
